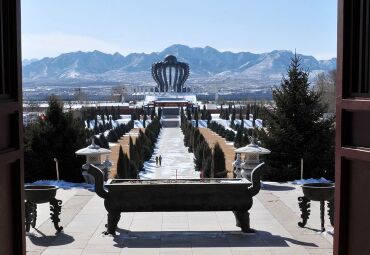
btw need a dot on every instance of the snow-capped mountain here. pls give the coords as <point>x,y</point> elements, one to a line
<point>204,62</point>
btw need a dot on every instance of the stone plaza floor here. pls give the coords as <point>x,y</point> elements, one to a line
<point>275,214</point>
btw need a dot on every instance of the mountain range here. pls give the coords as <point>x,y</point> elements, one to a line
<point>204,62</point>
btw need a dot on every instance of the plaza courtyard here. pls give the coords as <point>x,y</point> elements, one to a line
<point>274,216</point>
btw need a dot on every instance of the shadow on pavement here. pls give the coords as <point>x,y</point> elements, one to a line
<point>52,240</point>
<point>171,239</point>
<point>269,186</point>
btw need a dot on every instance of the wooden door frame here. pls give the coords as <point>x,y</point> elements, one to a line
<point>12,233</point>
<point>348,66</point>
<point>11,63</point>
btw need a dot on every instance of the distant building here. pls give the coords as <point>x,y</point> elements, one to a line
<point>170,75</point>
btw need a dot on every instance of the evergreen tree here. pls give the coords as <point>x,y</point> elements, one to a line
<point>296,129</point>
<point>133,170</point>
<point>204,113</point>
<point>240,113</point>
<point>118,116</point>
<point>233,116</point>
<point>188,114</point>
<point>97,141</point>
<point>110,124</point>
<point>140,154</point>
<point>122,164</point>
<point>144,120</point>
<point>131,149</point>
<point>152,113</point>
<point>103,141</point>
<point>159,113</point>
<point>207,165</point>
<point>209,118</point>
<point>196,117</point>
<point>218,169</point>
<point>198,157</point>
<point>112,136</point>
<point>59,136</point>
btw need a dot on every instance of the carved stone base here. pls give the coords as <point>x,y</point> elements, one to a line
<point>242,221</point>
<point>113,219</point>
<point>55,208</point>
<point>31,214</point>
<point>304,205</point>
<point>331,212</point>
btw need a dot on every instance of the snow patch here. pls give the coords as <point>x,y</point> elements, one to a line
<point>63,184</point>
<point>311,180</point>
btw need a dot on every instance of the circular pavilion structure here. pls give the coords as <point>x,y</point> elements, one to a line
<point>170,74</point>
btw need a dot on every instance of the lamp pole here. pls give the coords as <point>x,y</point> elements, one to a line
<point>57,167</point>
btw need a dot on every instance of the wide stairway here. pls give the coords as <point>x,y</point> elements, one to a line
<point>170,117</point>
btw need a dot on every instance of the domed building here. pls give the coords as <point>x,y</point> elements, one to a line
<point>170,75</point>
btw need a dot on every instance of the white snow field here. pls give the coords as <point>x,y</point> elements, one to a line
<point>175,156</point>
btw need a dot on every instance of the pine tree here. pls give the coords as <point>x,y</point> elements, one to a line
<point>121,164</point>
<point>133,170</point>
<point>188,114</point>
<point>103,141</point>
<point>152,113</point>
<point>59,136</point>
<point>144,120</point>
<point>196,117</point>
<point>218,169</point>
<point>233,116</point>
<point>140,154</point>
<point>118,116</point>
<point>131,151</point>
<point>159,113</point>
<point>198,157</point>
<point>209,118</point>
<point>204,113</point>
<point>238,142</point>
<point>296,129</point>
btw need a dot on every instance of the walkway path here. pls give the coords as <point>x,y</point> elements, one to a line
<point>175,156</point>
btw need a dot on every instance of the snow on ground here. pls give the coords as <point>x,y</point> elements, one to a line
<point>226,123</point>
<point>311,180</point>
<point>201,123</point>
<point>175,156</point>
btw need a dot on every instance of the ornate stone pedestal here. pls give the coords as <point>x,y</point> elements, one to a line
<point>31,214</point>
<point>304,205</point>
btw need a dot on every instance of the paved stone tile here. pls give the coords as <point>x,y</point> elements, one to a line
<point>319,251</point>
<point>140,251</point>
<point>289,251</point>
<point>212,251</point>
<point>175,251</point>
<point>33,252</point>
<point>248,250</point>
<point>59,251</point>
<point>274,215</point>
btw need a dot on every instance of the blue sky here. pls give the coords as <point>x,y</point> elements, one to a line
<point>52,27</point>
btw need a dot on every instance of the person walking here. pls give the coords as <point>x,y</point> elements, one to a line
<point>160,160</point>
<point>156,161</point>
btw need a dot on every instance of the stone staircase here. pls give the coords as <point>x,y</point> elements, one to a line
<point>170,117</point>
